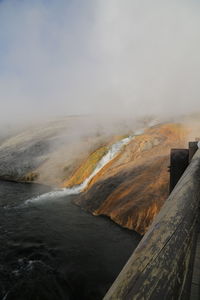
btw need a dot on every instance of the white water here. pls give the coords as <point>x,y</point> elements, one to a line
<point>112,153</point>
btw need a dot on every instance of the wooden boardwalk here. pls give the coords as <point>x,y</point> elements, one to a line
<point>195,285</point>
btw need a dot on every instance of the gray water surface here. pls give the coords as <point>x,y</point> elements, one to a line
<point>54,250</point>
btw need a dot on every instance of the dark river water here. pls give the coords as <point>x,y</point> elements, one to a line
<point>54,250</point>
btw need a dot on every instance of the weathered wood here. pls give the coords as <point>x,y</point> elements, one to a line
<point>195,286</point>
<point>159,266</point>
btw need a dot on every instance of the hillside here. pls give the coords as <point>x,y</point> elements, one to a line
<point>130,189</point>
<point>49,152</point>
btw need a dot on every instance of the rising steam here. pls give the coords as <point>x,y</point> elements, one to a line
<point>83,57</point>
<point>112,152</point>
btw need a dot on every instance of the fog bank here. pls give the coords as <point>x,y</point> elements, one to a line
<point>113,57</point>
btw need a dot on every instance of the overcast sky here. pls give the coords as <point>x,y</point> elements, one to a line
<point>61,57</point>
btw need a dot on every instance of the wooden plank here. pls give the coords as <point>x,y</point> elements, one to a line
<point>195,286</point>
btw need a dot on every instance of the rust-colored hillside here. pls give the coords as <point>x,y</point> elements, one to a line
<point>132,188</point>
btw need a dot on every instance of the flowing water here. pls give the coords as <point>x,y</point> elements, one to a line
<point>112,152</point>
<point>54,250</point>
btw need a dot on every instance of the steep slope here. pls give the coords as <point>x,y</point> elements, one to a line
<point>132,188</point>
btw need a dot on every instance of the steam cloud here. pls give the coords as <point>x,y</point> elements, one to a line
<point>129,57</point>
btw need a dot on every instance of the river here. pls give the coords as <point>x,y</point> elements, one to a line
<point>54,250</point>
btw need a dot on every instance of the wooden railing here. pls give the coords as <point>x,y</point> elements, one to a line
<point>160,267</point>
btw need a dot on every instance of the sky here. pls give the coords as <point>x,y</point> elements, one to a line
<point>131,57</point>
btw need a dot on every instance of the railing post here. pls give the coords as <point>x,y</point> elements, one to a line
<point>193,147</point>
<point>179,160</point>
